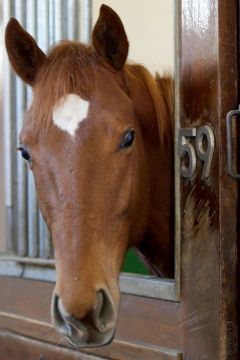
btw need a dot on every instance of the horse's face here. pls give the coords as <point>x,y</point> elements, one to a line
<point>89,181</point>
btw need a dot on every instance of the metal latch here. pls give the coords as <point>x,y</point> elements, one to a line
<point>230,115</point>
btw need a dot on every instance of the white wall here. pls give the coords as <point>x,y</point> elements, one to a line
<point>150,29</point>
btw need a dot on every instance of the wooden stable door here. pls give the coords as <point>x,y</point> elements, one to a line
<point>203,323</point>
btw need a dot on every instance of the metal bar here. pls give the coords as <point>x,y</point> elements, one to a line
<point>64,20</point>
<point>51,22</point>
<point>28,260</point>
<point>27,270</point>
<point>45,248</point>
<point>8,115</point>
<point>57,20</point>
<point>42,24</point>
<point>230,115</point>
<point>33,218</point>
<point>72,23</point>
<point>86,21</point>
<point>148,286</point>
<point>32,207</point>
<point>21,175</point>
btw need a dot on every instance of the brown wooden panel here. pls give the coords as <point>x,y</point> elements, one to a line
<point>208,44</point>
<point>17,347</point>
<point>228,196</point>
<point>148,320</point>
<point>119,350</point>
<point>143,332</point>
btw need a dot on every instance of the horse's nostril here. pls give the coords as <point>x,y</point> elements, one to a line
<point>104,314</point>
<point>64,322</point>
<point>58,318</point>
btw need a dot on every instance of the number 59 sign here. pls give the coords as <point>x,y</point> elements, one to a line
<point>203,148</point>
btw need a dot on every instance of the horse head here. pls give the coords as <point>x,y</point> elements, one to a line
<point>89,154</point>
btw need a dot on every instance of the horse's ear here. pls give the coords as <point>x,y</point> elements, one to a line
<point>109,38</point>
<point>25,56</point>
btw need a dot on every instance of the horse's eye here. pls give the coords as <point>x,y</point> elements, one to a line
<point>24,153</point>
<point>127,139</point>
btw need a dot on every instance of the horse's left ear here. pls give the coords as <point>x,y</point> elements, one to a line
<point>109,38</point>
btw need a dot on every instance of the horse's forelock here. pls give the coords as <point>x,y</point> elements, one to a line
<point>65,72</point>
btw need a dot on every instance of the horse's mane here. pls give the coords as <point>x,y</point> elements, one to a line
<point>161,92</point>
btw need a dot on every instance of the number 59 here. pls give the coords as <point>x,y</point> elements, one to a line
<point>204,148</point>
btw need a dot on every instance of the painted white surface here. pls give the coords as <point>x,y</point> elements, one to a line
<point>150,29</point>
<point>70,112</point>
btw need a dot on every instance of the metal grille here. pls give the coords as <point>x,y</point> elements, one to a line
<point>48,21</point>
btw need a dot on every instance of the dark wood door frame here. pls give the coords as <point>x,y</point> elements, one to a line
<point>203,325</point>
<point>209,73</point>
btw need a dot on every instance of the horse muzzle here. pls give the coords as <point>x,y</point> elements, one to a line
<point>96,328</point>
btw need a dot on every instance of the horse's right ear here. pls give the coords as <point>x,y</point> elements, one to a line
<point>25,56</point>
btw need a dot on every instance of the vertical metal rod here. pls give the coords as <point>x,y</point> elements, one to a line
<point>33,234</point>
<point>57,20</point>
<point>8,143</point>
<point>43,42</point>
<point>21,175</point>
<point>7,115</point>
<point>45,248</point>
<point>42,24</point>
<point>86,21</point>
<point>51,16</point>
<point>72,23</point>
<point>64,19</point>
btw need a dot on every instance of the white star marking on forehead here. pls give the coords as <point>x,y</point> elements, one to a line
<point>69,112</point>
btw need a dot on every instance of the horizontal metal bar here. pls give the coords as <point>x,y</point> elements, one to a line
<point>148,286</point>
<point>28,261</point>
<point>27,271</point>
<point>40,269</point>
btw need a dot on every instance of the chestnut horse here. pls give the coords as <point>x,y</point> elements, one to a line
<point>98,139</point>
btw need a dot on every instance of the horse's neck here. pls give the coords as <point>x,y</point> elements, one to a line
<point>157,243</point>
